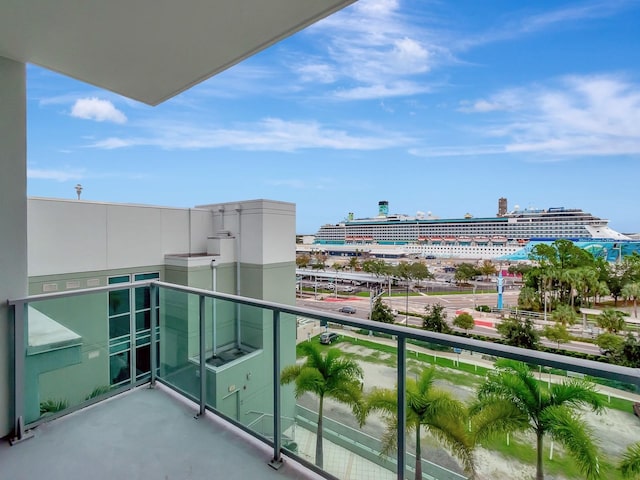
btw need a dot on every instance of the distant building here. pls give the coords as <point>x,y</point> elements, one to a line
<point>502,207</point>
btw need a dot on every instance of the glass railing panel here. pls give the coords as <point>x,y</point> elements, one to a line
<point>240,375</point>
<point>592,413</point>
<point>74,352</point>
<point>179,345</point>
<point>347,448</point>
<point>451,440</point>
<point>80,346</point>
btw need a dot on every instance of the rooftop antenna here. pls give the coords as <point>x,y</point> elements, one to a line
<point>78,190</point>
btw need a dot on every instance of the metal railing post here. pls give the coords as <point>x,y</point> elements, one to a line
<point>402,405</point>
<point>203,359</point>
<point>19,345</point>
<point>153,292</point>
<point>276,461</point>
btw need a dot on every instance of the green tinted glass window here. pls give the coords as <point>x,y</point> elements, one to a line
<point>118,302</point>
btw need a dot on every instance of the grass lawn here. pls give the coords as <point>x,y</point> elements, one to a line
<point>468,373</point>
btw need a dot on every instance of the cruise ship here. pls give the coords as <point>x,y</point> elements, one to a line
<point>469,237</point>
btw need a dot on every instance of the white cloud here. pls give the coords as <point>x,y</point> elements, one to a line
<point>458,151</point>
<point>373,48</point>
<point>578,115</point>
<point>533,23</point>
<point>270,134</point>
<point>97,109</point>
<point>396,89</point>
<point>57,175</point>
<point>317,72</point>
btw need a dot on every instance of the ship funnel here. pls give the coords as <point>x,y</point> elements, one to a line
<point>383,208</point>
<point>350,216</point>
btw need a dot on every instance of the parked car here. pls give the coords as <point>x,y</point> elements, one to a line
<point>328,338</point>
<point>347,309</point>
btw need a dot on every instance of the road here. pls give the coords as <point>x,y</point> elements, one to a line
<point>452,303</point>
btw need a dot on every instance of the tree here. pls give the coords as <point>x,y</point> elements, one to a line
<point>354,263</point>
<point>320,259</point>
<point>435,319</point>
<point>610,344</point>
<point>411,271</point>
<point>632,291</point>
<point>302,261</point>
<point>621,351</point>
<point>565,315</point>
<point>419,271</point>
<point>519,333</point>
<point>631,352</point>
<point>430,408</point>
<point>326,375</point>
<point>528,299</point>
<point>611,320</point>
<point>488,268</point>
<point>548,411</point>
<point>465,272</point>
<point>464,321</point>
<point>375,266</point>
<point>556,333</point>
<point>381,312</point>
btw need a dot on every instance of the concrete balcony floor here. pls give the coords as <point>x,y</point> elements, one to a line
<point>142,434</point>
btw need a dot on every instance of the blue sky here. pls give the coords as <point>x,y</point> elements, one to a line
<point>434,106</point>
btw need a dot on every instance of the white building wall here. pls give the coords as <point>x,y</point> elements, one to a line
<point>267,229</point>
<point>13,214</point>
<point>67,236</point>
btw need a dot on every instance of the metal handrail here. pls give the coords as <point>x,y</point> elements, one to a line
<point>589,367</point>
<point>400,333</point>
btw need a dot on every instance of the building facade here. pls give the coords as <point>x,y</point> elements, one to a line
<point>103,340</point>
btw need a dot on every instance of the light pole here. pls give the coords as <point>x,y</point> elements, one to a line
<point>78,190</point>
<point>474,295</point>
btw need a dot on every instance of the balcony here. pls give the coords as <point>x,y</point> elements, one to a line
<point>177,414</point>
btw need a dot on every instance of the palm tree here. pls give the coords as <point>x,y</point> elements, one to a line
<point>573,278</point>
<point>632,291</point>
<point>564,314</point>
<point>327,375</point>
<point>546,411</point>
<point>630,464</point>
<point>528,298</point>
<point>611,320</point>
<point>436,410</point>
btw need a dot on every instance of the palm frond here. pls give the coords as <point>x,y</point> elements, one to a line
<point>576,393</point>
<point>572,432</point>
<point>509,385</point>
<point>426,379</point>
<point>630,464</point>
<point>309,380</point>
<point>384,400</point>
<point>289,374</point>
<point>452,432</point>
<point>496,416</point>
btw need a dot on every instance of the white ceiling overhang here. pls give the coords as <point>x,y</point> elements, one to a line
<point>149,50</point>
